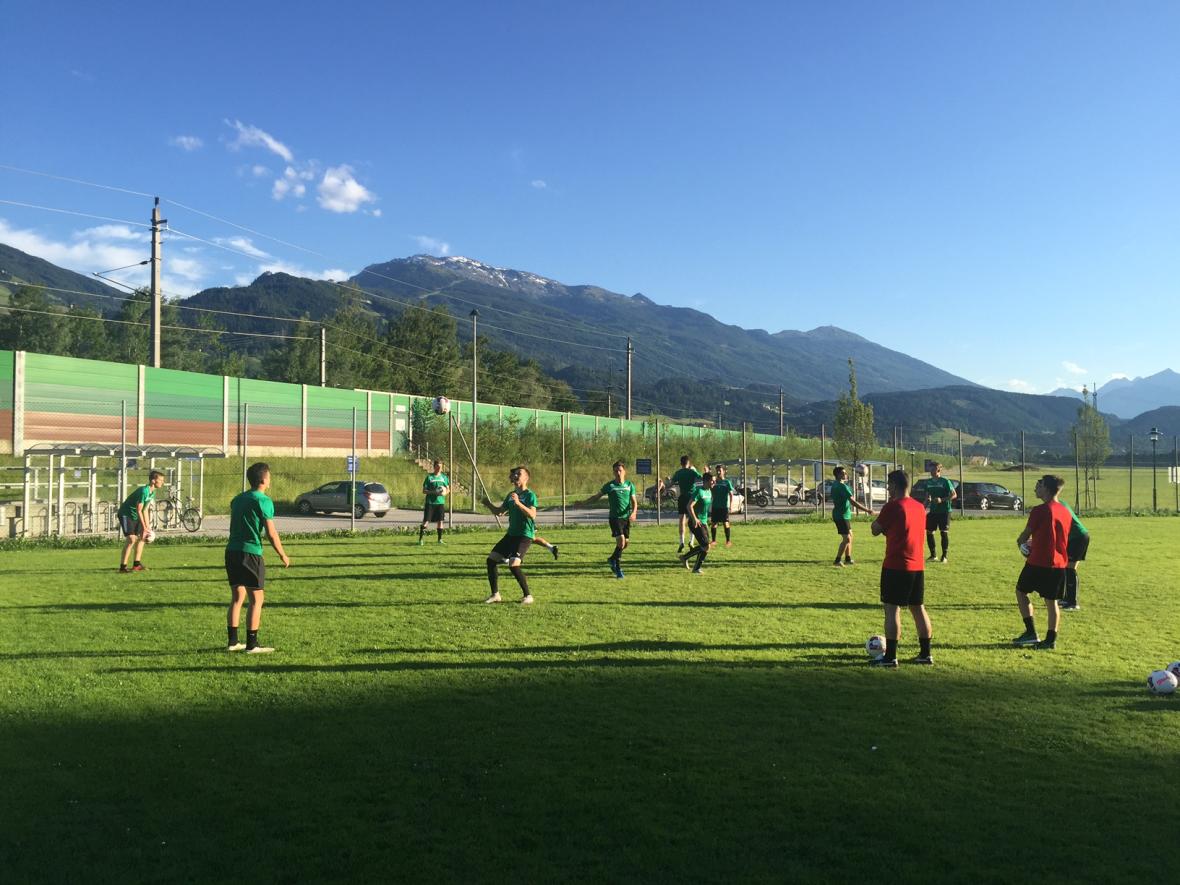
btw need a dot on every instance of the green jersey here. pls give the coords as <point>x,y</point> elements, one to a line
<point>520,524</point>
<point>686,479</point>
<point>939,488</point>
<point>143,495</point>
<point>620,495</point>
<point>248,513</point>
<point>432,487</point>
<point>722,489</point>
<point>841,496</point>
<point>1076,530</point>
<point>702,503</point>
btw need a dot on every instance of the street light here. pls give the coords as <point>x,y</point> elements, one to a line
<point>1154,436</point>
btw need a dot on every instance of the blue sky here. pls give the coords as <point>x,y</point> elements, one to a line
<point>992,188</point>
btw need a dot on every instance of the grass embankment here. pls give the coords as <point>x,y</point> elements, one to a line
<point>664,727</point>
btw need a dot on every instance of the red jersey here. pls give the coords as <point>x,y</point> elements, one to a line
<point>1049,524</point>
<point>904,523</point>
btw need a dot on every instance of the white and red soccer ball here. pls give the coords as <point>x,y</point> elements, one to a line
<point>1161,682</point>
<point>441,405</point>
<point>875,647</point>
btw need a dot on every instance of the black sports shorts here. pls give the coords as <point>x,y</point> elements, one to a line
<point>620,525</point>
<point>433,512</point>
<point>245,570</point>
<point>1048,582</point>
<point>902,588</point>
<point>511,547</point>
<point>683,503</point>
<point>717,517</point>
<point>130,526</point>
<point>940,521</point>
<point>843,526</point>
<point>1078,545</point>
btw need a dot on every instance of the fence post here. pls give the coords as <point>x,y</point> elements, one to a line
<point>659,474</point>
<point>823,456</point>
<point>962,498</point>
<point>27,508</point>
<point>225,414</point>
<point>1077,475</point>
<point>745,505</point>
<point>1023,467</point>
<point>1131,476</point>
<point>450,465</point>
<point>368,422</point>
<point>352,479</point>
<point>303,421</point>
<point>18,404</point>
<point>139,419</point>
<point>123,453</point>
<point>564,423</point>
<point>245,440</point>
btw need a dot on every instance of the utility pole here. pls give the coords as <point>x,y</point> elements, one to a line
<point>630,353</point>
<point>323,357</point>
<point>474,398</point>
<point>155,319</point>
<point>780,412</point>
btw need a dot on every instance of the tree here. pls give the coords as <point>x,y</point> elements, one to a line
<point>422,353</point>
<point>37,324</point>
<point>1093,446</point>
<point>854,423</point>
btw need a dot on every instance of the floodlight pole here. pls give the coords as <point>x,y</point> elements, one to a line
<point>323,357</point>
<point>1155,438</point>
<point>630,354</point>
<point>474,400</point>
<point>155,289</point>
<point>780,412</point>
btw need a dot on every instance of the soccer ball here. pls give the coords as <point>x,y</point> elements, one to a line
<point>1161,682</point>
<point>1174,669</point>
<point>1025,550</point>
<point>875,647</point>
<point>441,405</point>
<point>862,469</point>
<point>149,536</point>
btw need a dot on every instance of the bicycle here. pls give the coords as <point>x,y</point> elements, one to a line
<point>171,513</point>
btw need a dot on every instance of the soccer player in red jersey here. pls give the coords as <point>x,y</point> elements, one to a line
<point>1047,537</point>
<point>903,523</point>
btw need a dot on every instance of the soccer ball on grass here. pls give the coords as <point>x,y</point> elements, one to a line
<point>875,647</point>
<point>1161,682</point>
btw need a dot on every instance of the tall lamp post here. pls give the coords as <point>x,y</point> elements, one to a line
<point>1154,436</point>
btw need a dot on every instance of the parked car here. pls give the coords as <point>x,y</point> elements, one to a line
<point>671,493</point>
<point>985,495</point>
<point>918,490</point>
<point>880,493</point>
<point>334,497</point>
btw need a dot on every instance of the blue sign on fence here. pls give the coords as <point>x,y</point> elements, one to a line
<point>643,466</point>
<point>352,464</point>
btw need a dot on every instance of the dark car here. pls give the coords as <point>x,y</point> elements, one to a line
<point>336,497</point>
<point>918,490</point>
<point>985,495</point>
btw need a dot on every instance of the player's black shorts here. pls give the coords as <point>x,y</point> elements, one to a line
<point>718,517</point>
<point>939,521</point>
<point>1049,582</point>
<point>245,570</point>
<point>433,512</point>
<point>843,526</point>
<point>511,547</point>
<point>130,526</point>
<point>701,533</point>
<point>1078,545</point>
<point>902,588</point>
<point>683,503</point>
<point>620,525</point>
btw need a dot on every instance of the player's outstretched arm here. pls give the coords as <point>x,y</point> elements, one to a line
<point>588,501</point>
<point>272,535</point>
<point>487,502</point>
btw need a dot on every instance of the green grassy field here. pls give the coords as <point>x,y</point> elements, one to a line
<point>664,728</point>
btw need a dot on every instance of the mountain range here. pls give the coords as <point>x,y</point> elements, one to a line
<point>578,334</point>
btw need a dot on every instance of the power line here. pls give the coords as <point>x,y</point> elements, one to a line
<point>74,316</point>
<point>107,187</point>
<point>72,212</point>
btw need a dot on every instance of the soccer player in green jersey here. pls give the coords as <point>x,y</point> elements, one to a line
<point>251,514</point>
<point>843,501</point>
<point>624,504</point>
<point>940,492</point>
<point>1078,544</point>
<point>722,502</point>
<point>133,520</point>
<point>685,479</point>
<point>436,486</point>
<point>699,504</point>
<point>521,507</point>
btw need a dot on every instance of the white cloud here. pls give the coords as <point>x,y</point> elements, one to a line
<point>1073,368</point>
<point>539,183</point>
<point>339,191</point>
<point>242,244</point>
<point>335,274</point>
<point>1119,375</point>
<point>114,232</point>
<point>1019,385</point>
<point>376,213</point>
<point>259,171</point>
<point>252,136</point>
<point>292,183</point>
<point>186,142</point>
<point>432,246</point>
